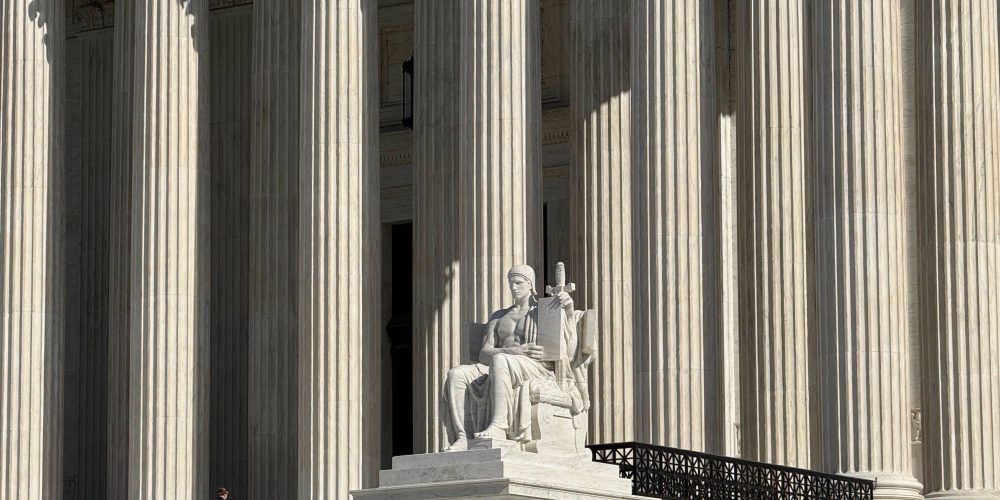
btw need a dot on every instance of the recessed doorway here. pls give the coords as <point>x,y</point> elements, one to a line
<point>398,259</point>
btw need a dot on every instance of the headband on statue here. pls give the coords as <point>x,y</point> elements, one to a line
<point>525,271</point>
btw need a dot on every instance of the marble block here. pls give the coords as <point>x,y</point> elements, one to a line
<point>495,471</point>
<point>551,324</point>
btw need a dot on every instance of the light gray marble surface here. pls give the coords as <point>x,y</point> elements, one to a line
<point>496,472</point>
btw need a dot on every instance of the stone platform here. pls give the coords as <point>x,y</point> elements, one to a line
<point>495,469</point>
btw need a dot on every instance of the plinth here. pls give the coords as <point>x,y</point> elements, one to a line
<point>496,469</point>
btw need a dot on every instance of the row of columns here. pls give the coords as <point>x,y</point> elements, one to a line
<point>825,183</point>
<point>820,222</point>
<point>315,217</point>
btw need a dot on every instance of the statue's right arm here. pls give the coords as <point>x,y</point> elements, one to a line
<point>489,348</point>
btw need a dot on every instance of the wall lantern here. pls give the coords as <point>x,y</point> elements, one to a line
<point>408,93</point>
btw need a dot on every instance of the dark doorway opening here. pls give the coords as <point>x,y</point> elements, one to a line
<point>400,332</point>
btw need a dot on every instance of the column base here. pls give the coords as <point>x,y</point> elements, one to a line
<point>892,486</point>
<point>965,495</point>
<point>898,489</point>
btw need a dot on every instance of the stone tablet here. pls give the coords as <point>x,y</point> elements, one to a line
<point>551,320</point>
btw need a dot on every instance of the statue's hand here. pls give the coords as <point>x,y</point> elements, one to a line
<point>535,352</point>
<point>565,301</point>
<point>530,350</point>
<point>517,350</point>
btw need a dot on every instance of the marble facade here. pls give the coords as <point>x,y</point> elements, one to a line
<point>787,213</point>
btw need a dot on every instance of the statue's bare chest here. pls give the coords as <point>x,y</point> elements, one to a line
<point>510,329</point>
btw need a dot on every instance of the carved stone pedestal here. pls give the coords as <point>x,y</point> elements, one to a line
<point>497,472</point>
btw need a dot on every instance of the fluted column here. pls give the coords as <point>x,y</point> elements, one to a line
<point>31,159</point>
<point>85,280</point>
<point>437,328</point>
<point>727,343</point>
<point>274,187</point>
<point>958,151</point>
<point>670,79</point>
<point>860,274</point>
<point>600,199</point>
<point>119,254</point>
<point>168,445</point>
<point>501,183</point>
<point>774,299</point>
<point>339,325</point>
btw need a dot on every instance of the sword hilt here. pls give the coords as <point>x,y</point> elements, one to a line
<point>560,285</point>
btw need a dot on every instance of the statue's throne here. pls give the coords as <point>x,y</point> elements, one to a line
<point>555,429</point>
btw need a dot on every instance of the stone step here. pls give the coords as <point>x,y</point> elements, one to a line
<point>446,458</point>
<point>457,471</point>
<point>522,467</point>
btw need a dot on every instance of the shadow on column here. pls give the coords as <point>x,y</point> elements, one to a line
<point>229,105</point>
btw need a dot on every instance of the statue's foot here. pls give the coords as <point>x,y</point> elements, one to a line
<point>525,437</point>
<point>460,444</point>
<point>492,432</point>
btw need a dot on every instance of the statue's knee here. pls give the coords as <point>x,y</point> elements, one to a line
<point>499,362</point>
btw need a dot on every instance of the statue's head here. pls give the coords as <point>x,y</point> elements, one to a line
<point>521,279</point>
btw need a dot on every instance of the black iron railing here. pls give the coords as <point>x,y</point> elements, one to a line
<point>662,472</point>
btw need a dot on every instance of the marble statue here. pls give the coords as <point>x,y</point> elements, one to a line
<point>516,411</point>
<point>515,382</point>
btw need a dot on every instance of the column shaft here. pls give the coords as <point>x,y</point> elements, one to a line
<point>119,192</point>
<point>958,151</point>
<point>774,300</point>
<point>860,274</point>
<point>727,343</point>
<point>437,325</point>
<point>231,108</point>
<point>501,181</point>
<point>673,127</point>
<point>338,279</point>
<point>274,187</point>
<point>84,315</point>
<point>168,405</point>
<point>601,196</point>
<point>31,160</point>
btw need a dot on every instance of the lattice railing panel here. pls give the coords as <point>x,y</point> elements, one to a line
<point>663,472</point>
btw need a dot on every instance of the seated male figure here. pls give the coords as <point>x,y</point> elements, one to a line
<point>490,399</point>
